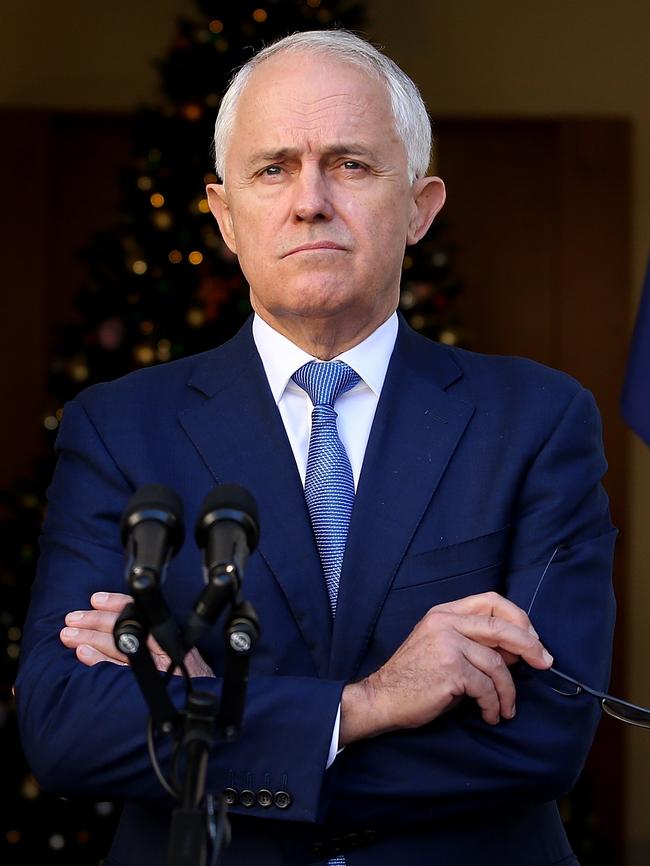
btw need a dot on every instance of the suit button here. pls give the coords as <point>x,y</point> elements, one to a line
<point>230,796</point>
<point>352,840</point>
<point>264,797</point>
<point>320,848</point>
<point>370,835</point>
<point>247,798</point>
<point>282,799</point>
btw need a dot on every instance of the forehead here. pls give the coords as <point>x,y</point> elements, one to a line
<point>312,96</point>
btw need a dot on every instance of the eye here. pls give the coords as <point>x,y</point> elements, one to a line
<point>271,171</point>
<point>352,165</point>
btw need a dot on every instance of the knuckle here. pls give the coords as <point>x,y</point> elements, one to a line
<point>432,615</point>
<point>496,660</point>
<point>433,622</point>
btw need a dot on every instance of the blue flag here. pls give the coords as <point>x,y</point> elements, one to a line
<point>635,402</point>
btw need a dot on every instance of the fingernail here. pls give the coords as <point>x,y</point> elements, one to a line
<point>548,658</point>
<point>532,631</point>
<point>71,632</point>
<point>100,597</point>
<point>85,651</point>
<point>513,713</point>
<point>74,616</point>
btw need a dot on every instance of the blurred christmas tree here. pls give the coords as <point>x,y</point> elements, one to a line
<point>161,285</point>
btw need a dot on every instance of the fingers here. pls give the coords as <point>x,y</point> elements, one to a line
<point>106,607</point>
<point>488,680</point>
<point>90,634</point>
<point>492,631</point>
<point>159,656</point>
<point>497,622</point>
<point>195,665</point>
<point>94,620</point>
<point>110,601</point>
<point>90,656</point>
<point>458,649</point>
<point>489,604</point>
<point>98,641</point>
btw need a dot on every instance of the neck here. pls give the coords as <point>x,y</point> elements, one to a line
<point>323,338</point>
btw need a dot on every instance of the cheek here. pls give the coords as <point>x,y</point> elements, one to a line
<point>253,237</point>
<point>350,207</point>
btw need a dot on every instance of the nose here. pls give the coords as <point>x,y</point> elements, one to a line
<point>312,201</point>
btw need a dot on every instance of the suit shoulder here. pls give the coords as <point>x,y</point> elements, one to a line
<point>509,372</point>
<point>162,386</point>
<point>159,384</point>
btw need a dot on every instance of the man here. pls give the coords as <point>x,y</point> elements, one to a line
<point>477,496</point>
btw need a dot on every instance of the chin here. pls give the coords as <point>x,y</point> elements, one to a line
<point>314,301</point>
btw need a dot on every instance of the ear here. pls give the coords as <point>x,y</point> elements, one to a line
<point>428,197</point>
<point>218,202</point>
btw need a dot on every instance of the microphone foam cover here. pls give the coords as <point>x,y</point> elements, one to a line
<point>229,502</point>
<point>155,502</point>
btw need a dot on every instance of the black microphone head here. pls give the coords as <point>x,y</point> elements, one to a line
<point>229,502</point>
<point>155,502</point>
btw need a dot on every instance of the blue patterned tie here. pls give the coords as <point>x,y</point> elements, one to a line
<point>329,483</point>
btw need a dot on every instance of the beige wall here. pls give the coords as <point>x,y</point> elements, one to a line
<point>82,53</point>
<point>471,57</point>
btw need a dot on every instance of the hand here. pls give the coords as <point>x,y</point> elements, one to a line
<point>90,634</point>
<point>461,648</point>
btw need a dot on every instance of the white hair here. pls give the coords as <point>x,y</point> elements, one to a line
<point>409,111</point>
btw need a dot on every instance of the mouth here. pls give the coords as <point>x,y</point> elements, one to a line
<point>315,246</point>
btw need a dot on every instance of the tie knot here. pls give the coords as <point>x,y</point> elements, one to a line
<point>325,381</point>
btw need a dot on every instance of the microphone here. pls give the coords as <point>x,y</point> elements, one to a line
<point>227,531</point>
<point>152,532</point>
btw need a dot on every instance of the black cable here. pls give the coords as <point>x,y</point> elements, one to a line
<point>154,761</point>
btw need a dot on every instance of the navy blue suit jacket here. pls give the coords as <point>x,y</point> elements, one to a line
<point>476,469</point>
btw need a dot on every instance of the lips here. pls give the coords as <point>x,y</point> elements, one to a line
<point>315,245</point>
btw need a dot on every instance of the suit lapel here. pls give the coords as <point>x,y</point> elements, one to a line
<point>239,434</point>
<point>416,429</point>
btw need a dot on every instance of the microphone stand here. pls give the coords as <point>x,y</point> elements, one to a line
<point>242,632</point>
<point>130,633</point>
<point>188,834</point>
<point>188,839</point>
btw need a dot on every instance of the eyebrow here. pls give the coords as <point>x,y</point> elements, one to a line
<point>283,153</point>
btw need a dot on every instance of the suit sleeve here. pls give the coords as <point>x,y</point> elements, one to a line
<point>83,728</point>
<point>458,763</point>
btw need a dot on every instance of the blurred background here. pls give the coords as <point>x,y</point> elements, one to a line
<point>110,261</point>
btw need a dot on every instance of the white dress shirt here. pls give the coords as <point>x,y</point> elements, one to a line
<point>355,409</point>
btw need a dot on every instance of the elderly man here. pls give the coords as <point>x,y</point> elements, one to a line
<point>415,501</point>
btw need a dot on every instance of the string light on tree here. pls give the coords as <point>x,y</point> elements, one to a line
<point>162,219</point>
<point>144,355</point>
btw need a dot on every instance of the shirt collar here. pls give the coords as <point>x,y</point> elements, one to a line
<point>281,358</point>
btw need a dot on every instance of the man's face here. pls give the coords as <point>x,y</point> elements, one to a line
<point>317,203</point>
